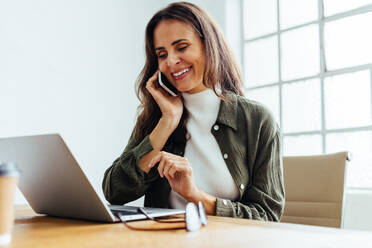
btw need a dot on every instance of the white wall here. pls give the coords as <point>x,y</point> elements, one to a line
<point>69,67</point>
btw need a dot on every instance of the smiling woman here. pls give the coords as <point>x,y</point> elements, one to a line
<point>180,55</point>
<point>208,143</point>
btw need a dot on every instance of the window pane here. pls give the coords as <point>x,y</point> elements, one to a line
<point>269,96</point>
<point>300,52</point>
<point>260,17</point>
<point>302,145</point>
<point>360,146</point>
<point>297,12</point>
<point>348,41</point>
<point>335,6</point>
<point>261,61</point>
<point>348,100</point>
<point>301,114</point>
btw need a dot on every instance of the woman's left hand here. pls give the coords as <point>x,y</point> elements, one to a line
<point>178,172</point>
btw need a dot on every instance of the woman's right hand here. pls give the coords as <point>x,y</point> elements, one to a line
<point>171,106</point>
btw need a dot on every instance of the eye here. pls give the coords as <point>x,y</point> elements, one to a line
<point>182,48</point>
<point>162,55</point>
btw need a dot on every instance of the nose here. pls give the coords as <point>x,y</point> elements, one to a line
<point>172,60</point>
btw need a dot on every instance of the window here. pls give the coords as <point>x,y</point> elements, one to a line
<point>310,63</point>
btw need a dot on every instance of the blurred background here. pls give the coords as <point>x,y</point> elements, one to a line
<point>70,66</point>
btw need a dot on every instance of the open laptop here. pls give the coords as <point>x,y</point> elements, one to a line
<point>54,184</point>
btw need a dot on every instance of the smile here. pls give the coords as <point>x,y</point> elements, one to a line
<point>181,72</point>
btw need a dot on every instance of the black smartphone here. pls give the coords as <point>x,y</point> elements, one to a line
<point>166,85</point>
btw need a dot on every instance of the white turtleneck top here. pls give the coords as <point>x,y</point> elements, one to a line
<point>202,151</point>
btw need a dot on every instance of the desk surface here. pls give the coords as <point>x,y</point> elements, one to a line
<point>32,230</point>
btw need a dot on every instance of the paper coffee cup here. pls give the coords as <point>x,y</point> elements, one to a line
<point>9,175</point>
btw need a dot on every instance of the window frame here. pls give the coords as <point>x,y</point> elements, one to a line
<point>324,72</point>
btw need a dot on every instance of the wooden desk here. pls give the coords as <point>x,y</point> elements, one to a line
<point>31,230</point>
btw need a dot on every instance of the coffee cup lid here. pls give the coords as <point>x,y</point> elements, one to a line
<point>9,169</point>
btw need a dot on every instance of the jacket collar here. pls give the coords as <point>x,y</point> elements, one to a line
<point>228,112</point>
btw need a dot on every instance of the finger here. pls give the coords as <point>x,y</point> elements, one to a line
<point>150,82</point>
<point>161,167</point>
<point>172,171</point>
<point>155,160</point>
<point>154,76</point>
<point>184,168</point>
<point>180,164</point>
<point>169,164</point>
<point>157,93</point>
<point>172,156</point>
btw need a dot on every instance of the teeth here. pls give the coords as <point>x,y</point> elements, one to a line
<point>181,72</point>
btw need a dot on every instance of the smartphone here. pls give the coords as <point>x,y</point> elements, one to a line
<point>166,85</point>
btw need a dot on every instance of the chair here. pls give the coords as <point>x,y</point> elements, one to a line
<point>314,187</point>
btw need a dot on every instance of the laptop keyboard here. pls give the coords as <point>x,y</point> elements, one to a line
<point>125,210</point>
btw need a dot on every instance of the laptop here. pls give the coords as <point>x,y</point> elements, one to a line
<point>54,184</point>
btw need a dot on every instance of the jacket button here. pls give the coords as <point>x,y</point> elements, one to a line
<point>224,202</point>
<point>216,127</point>
<point>225,156</point>
<point>241,186</point>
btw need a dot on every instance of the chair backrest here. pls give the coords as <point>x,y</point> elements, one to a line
<point>314,187</point>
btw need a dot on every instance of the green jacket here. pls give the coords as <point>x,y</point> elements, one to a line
<point>247,132</point>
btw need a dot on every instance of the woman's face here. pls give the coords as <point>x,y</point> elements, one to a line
<point>180,54</point>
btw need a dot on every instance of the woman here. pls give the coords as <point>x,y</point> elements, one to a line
<point>207,144</point>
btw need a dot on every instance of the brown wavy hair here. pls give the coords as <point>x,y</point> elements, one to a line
<point>221,70</point>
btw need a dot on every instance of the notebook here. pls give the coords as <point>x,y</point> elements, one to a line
<point>54,184</point>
